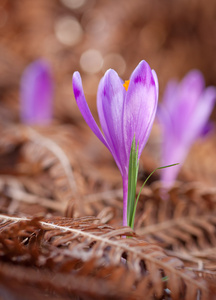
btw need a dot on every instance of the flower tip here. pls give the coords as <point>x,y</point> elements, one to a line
<point>77,84</point>
<point>143,62</point>
<point>36,68</point>
<point>76,76</point>
<point>110,73</point>
<point>144,75</point>
<point>194,80</point>
<point>195,73</point>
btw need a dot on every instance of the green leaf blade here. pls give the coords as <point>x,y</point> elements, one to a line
<point>132,181</point>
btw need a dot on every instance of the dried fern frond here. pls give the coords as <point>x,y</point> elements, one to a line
<point>43,161</point>
<point>46,166</point>
<point>184,224</point>
<point>182,200</point>
<point>81,247</point>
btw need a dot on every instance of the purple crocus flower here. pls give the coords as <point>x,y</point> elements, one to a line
<point>125,110</point>
<point>36,94</point>
<point>183,116</point>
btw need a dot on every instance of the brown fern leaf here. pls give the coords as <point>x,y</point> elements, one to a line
<point>183,200</point>
<point>210,278</point>
<point>42,174</point>
<point>184,223</point>
<point>43,160</point>
<point>87,249</point>
<point>27,197</point>
<point>43,283</point>
<point>106,205</point>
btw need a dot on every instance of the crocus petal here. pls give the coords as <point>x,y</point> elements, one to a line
<point>140,106</point>
<point>156,82</point>
<point>172,152</point>
<point>208,128</point>
<point>165,119</point>
<point>192,84</point>
<point>185,99</point>
<point>36,94</point>
<point>110,101</point>
<point>84,109</point>
<point>201,114</point>
<point>169,97</point>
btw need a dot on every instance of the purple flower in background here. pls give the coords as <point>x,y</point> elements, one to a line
<point>125,110</point>
<point>183,116</point>
<point>36,94</point>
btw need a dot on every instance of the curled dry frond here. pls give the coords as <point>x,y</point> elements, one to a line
<point>96,260</point>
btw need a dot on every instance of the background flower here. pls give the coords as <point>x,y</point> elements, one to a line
<point>183,116</point>
<point>36,94</point>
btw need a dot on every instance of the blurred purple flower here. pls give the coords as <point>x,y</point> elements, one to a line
<point>183,116</point>
<point>125,110</point>
<point>36,94</point>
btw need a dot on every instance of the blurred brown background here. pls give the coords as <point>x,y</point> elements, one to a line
<point>94,35</point>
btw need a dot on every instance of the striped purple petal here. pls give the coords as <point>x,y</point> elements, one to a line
<point>84,109</point>
<point>140,106</point>
<point>110,102</point>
